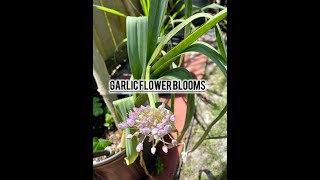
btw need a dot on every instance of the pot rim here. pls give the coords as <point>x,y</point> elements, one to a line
<point>109,159</point>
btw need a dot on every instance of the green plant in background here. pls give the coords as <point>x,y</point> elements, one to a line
<point>98,110</point>
<point>100,144</point>
<point>170,16</point>
<point>109,120</point>
<point>149,59</point>
<point>97,107</point>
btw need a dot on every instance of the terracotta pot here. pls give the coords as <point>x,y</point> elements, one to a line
<point>196,66</point>
<point>115,168</point>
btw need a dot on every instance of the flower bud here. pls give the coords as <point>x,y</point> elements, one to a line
<point>139,147</point>
<point>165,149</point>
<point>129,136</point>
<point>153,150</point>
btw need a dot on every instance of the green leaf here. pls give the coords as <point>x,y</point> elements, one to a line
<point>144,7</point>
<point>188,13</point>
<point>137,30</point>
<point>141,99</point>
<point>175,4</point>
<point>209,51</point>
<point>174,31</point>
<point>203,137</point>
<point>100,144</point>
<point>148,4</point>
<point>196,7</point>
<point>220,42</point>
<point>156,15</point>
<point>97,109</point>
<point>112,11</point>
<point>109,120</point>
<point>163,62</point>
<point>213,6</point>
<point>122,107</point>
<point>177,12</point>
<point>95,100</point>
<point>205,49</point>
<point>182,74</point>
<point>210,6</point>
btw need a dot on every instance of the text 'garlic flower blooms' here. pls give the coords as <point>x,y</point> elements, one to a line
<point>153,123</point>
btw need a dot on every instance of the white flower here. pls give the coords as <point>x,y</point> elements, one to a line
<point>153,150</point>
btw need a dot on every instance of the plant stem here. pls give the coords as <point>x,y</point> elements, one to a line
<point>143,165</point>
<point>224,110</point>
<point>217,137</point>
<point>173,95</point>
<point>150,96</point>
<point>102,79</point>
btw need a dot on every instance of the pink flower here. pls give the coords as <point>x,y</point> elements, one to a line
<point>167,128</point>
<point>122,125</point>
<point>130,122</point>
<point>153,123</point>
<point>145,131</point>
<point>155,131</point>
<point>139,147</point>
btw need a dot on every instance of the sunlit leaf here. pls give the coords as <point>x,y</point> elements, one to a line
<point>122,107</point>
<point>112,11</point>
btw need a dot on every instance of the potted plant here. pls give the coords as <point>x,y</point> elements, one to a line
<point>145,121</point>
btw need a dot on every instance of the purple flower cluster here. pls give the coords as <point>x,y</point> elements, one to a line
<point>151,122</point>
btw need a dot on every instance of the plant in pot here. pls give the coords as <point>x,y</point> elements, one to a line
<point>146,122</point>
<point>104,131</point>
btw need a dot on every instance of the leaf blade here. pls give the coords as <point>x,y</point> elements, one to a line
<point>209,51</point>
<point>137,28</point>
<point>174,31</point>
<point>122,107</point>
<point>112,11</point>
<point>182,74</point>
<point>156,17</point>
<point>213,6</point>
<point>161,64</point>
<point>203,48</point>
<point>220,42</point>
<point>100,144</point>
<point>144,7</point>
<point>188,13</point>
